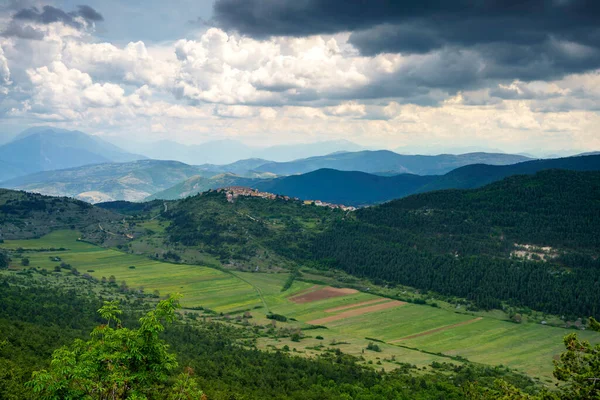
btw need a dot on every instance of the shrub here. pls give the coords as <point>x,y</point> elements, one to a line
<point>373,347</point>
<point>277,317</point>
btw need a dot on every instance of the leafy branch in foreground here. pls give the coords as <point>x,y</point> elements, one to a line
<point>119,363</point>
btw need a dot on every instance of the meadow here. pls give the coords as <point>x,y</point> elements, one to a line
<point>416,334</point>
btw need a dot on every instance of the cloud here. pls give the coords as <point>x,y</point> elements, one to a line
<point>350,109</point>
<point>4,69</point>
<point>50,14</point>
<point>131,63</point>
<point>26,22</point>
<point>89,14</point>
<point>296,88</point>
<point>70,94</point>
<point>527,40</point>
<point>228,69</point>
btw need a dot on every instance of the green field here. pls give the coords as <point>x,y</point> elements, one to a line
<point>526,347</point>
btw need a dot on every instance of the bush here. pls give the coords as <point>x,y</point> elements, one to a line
<point>277,317</point>
<point>373,347</point>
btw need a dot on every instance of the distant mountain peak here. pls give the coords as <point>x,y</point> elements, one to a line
<point>45,148</point>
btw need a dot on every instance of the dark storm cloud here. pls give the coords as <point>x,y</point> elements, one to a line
<point>89,14</point>
<point>516,39</point>
<point>50,14</point>
<point>462,20</point>
<point>19,25</point>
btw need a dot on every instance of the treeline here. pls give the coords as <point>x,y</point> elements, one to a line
<point>460,242</point>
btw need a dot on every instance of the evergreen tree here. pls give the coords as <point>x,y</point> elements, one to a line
<point>4,260</point>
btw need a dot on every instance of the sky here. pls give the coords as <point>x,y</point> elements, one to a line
<point>426,75</point>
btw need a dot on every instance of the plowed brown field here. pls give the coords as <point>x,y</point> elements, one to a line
<point>327,292</point>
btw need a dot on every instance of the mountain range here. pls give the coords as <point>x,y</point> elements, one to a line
<point>45,149</point>
<point>96,183</point>
<point>71,163</point>
<point>357,188</point>
<point>170,180</point>
<point>385,161</point>
<point>221,152</point>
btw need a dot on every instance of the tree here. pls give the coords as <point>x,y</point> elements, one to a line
<point>4,260</point>
<point>118,363</point>
<point>579,367</point>
<point>25,262</point>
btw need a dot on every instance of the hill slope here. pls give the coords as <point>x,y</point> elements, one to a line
<point>477,175</point>
<point>486,244</point>
<point>344,187</point>
<point>106,182</point>
<point>28,215</point>
<point>385,161</point>
<point>45,149</point>
<point>198,184</point>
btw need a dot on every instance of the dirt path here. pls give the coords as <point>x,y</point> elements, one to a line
<point>256,289</point>
<point>357,312</point>
<point>158,215</point>
<point>105,231</point>
<point>436,330</point>
<point>355,305</point>
<point>327,292</point>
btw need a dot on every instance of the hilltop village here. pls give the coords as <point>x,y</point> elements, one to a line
<point>233,192</point>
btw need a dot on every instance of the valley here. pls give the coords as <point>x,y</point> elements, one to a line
<point>408,332</point>
<point>299,200</point>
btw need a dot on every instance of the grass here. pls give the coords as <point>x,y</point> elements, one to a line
<point>200,286</point>
<point>526,347</point>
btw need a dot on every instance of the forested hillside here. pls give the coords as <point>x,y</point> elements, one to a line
<point>28,215</point>
<point>530,240</point>
<point>246,228</point>
<point>477,175</point>
<point>344,187</point>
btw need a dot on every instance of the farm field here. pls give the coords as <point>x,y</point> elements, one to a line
<point>200,286</point>
<point>416,334</point>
